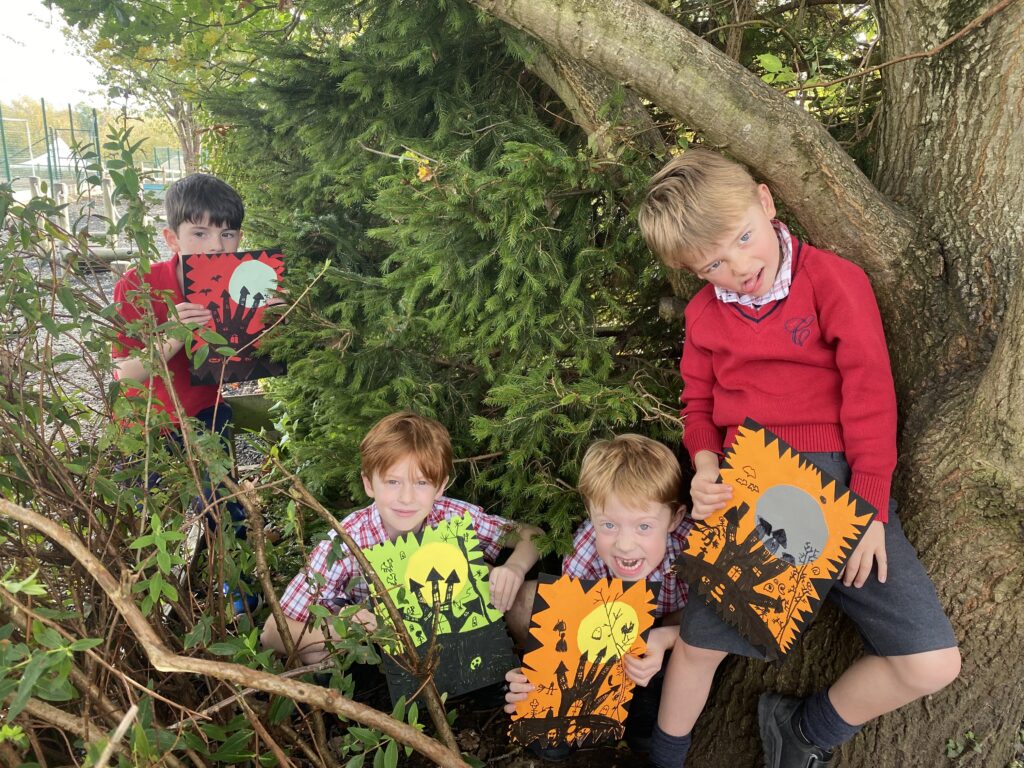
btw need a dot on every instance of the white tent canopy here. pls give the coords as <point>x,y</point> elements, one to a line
<point>61,157</point>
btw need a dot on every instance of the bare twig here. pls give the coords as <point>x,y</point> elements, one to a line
<point>115,739</point>
<point>976,22</point>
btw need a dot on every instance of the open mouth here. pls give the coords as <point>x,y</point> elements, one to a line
<point>629,568</point>
<point>754,283</point>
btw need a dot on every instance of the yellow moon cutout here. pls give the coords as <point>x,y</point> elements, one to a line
<point>612,627</point>
<point>440,557</point>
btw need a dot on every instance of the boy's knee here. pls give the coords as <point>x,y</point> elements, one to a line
<point>704,658</point>
<point>929,672</point>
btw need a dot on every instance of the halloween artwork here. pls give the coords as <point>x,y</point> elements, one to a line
<point>444,566</point>
<point>766,563</point>
<point>235,287</point>
<point>579,632</point>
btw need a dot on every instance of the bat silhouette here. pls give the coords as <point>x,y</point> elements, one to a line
<point>216,278</point>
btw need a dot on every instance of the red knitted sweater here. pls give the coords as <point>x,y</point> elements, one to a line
<point>812,367</point>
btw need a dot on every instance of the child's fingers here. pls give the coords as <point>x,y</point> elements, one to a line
<point>499,590</point>
<point>515,676</point>
<point>367,619</point>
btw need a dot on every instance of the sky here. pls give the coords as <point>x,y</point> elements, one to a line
<point>36,60</point>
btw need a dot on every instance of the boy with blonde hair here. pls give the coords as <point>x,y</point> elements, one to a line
<point>631,486</point>
<point>406,462</point>
<point>790,335</point>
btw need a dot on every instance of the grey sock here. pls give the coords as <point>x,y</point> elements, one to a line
<point>821,725</point>
<point>668,751</point>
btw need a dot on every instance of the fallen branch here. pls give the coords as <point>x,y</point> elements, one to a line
<point>164,660</point>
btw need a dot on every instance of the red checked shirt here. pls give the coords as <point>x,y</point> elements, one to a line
<point>342,580</point>
<point>584,563</point>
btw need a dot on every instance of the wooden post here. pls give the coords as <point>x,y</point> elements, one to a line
<point>108,200</point>
<point>62,199</point>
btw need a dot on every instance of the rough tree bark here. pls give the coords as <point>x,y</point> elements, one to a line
<point>941,233</point>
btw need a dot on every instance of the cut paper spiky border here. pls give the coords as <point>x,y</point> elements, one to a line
<point>579,632</point>
<point>766,563</point>
<point>235,287</point>
<point>437,579</point>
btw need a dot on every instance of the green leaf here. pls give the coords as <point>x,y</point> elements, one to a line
<point>769,62</point>
<point>200,355</point>
<point>356,761</point>
<point>35,667</point>
<point>85,643</point>
<point>224,649</point>
<point>368,737</point>
<point>391,755</point>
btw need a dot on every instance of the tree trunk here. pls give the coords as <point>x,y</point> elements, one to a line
<point>945,258</point>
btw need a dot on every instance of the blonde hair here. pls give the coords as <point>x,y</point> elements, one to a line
<point>631,467</point>
<point>693,202</point>
<point>405,434</point>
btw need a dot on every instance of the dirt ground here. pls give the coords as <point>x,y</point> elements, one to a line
<point>482,731</point>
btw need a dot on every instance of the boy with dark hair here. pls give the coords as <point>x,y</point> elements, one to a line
<point>635,529</point>
<point>406,462</point>
<point>790,335</point>
<point>204,215</point>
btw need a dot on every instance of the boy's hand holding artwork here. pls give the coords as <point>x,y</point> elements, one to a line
<point>870,550</point>
<point>519,688</point>
<point>707,493</point>
<point>505,583</point>
<point>642,668</point>
<point>190,313</point>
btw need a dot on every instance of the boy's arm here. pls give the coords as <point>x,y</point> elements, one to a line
<point>507,579</point>
<point>129,364</point>
<point>700,432</point>
<point>850,320</point>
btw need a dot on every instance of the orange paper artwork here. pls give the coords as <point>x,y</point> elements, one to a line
<point>766,563</point>
<point>578,635</point>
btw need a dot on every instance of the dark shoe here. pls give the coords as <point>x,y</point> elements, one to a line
<point>783,746</point>
<point>550,754</point>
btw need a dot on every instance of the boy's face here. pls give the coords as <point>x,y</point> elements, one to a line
<point>202,237</point>
<point>746,260</point>
<point>632,537</point>
<point>404,496</point>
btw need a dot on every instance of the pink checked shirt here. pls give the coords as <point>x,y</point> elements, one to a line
<point>342,580</point>
<point>584,563</point>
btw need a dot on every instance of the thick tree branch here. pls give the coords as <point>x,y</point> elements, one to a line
<point>810,172</point>
<point>163,659</point>
<point>585,91</point>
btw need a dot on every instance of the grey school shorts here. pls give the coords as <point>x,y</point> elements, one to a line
<point>900,617</point>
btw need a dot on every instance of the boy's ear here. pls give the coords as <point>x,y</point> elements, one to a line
<point>677,516</point>
<point>171,238</point>
<point>367,484</point>
<point>767,202</point>
<point>441,488</point>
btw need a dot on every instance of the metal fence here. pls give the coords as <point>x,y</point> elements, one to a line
<point>50,153</point>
